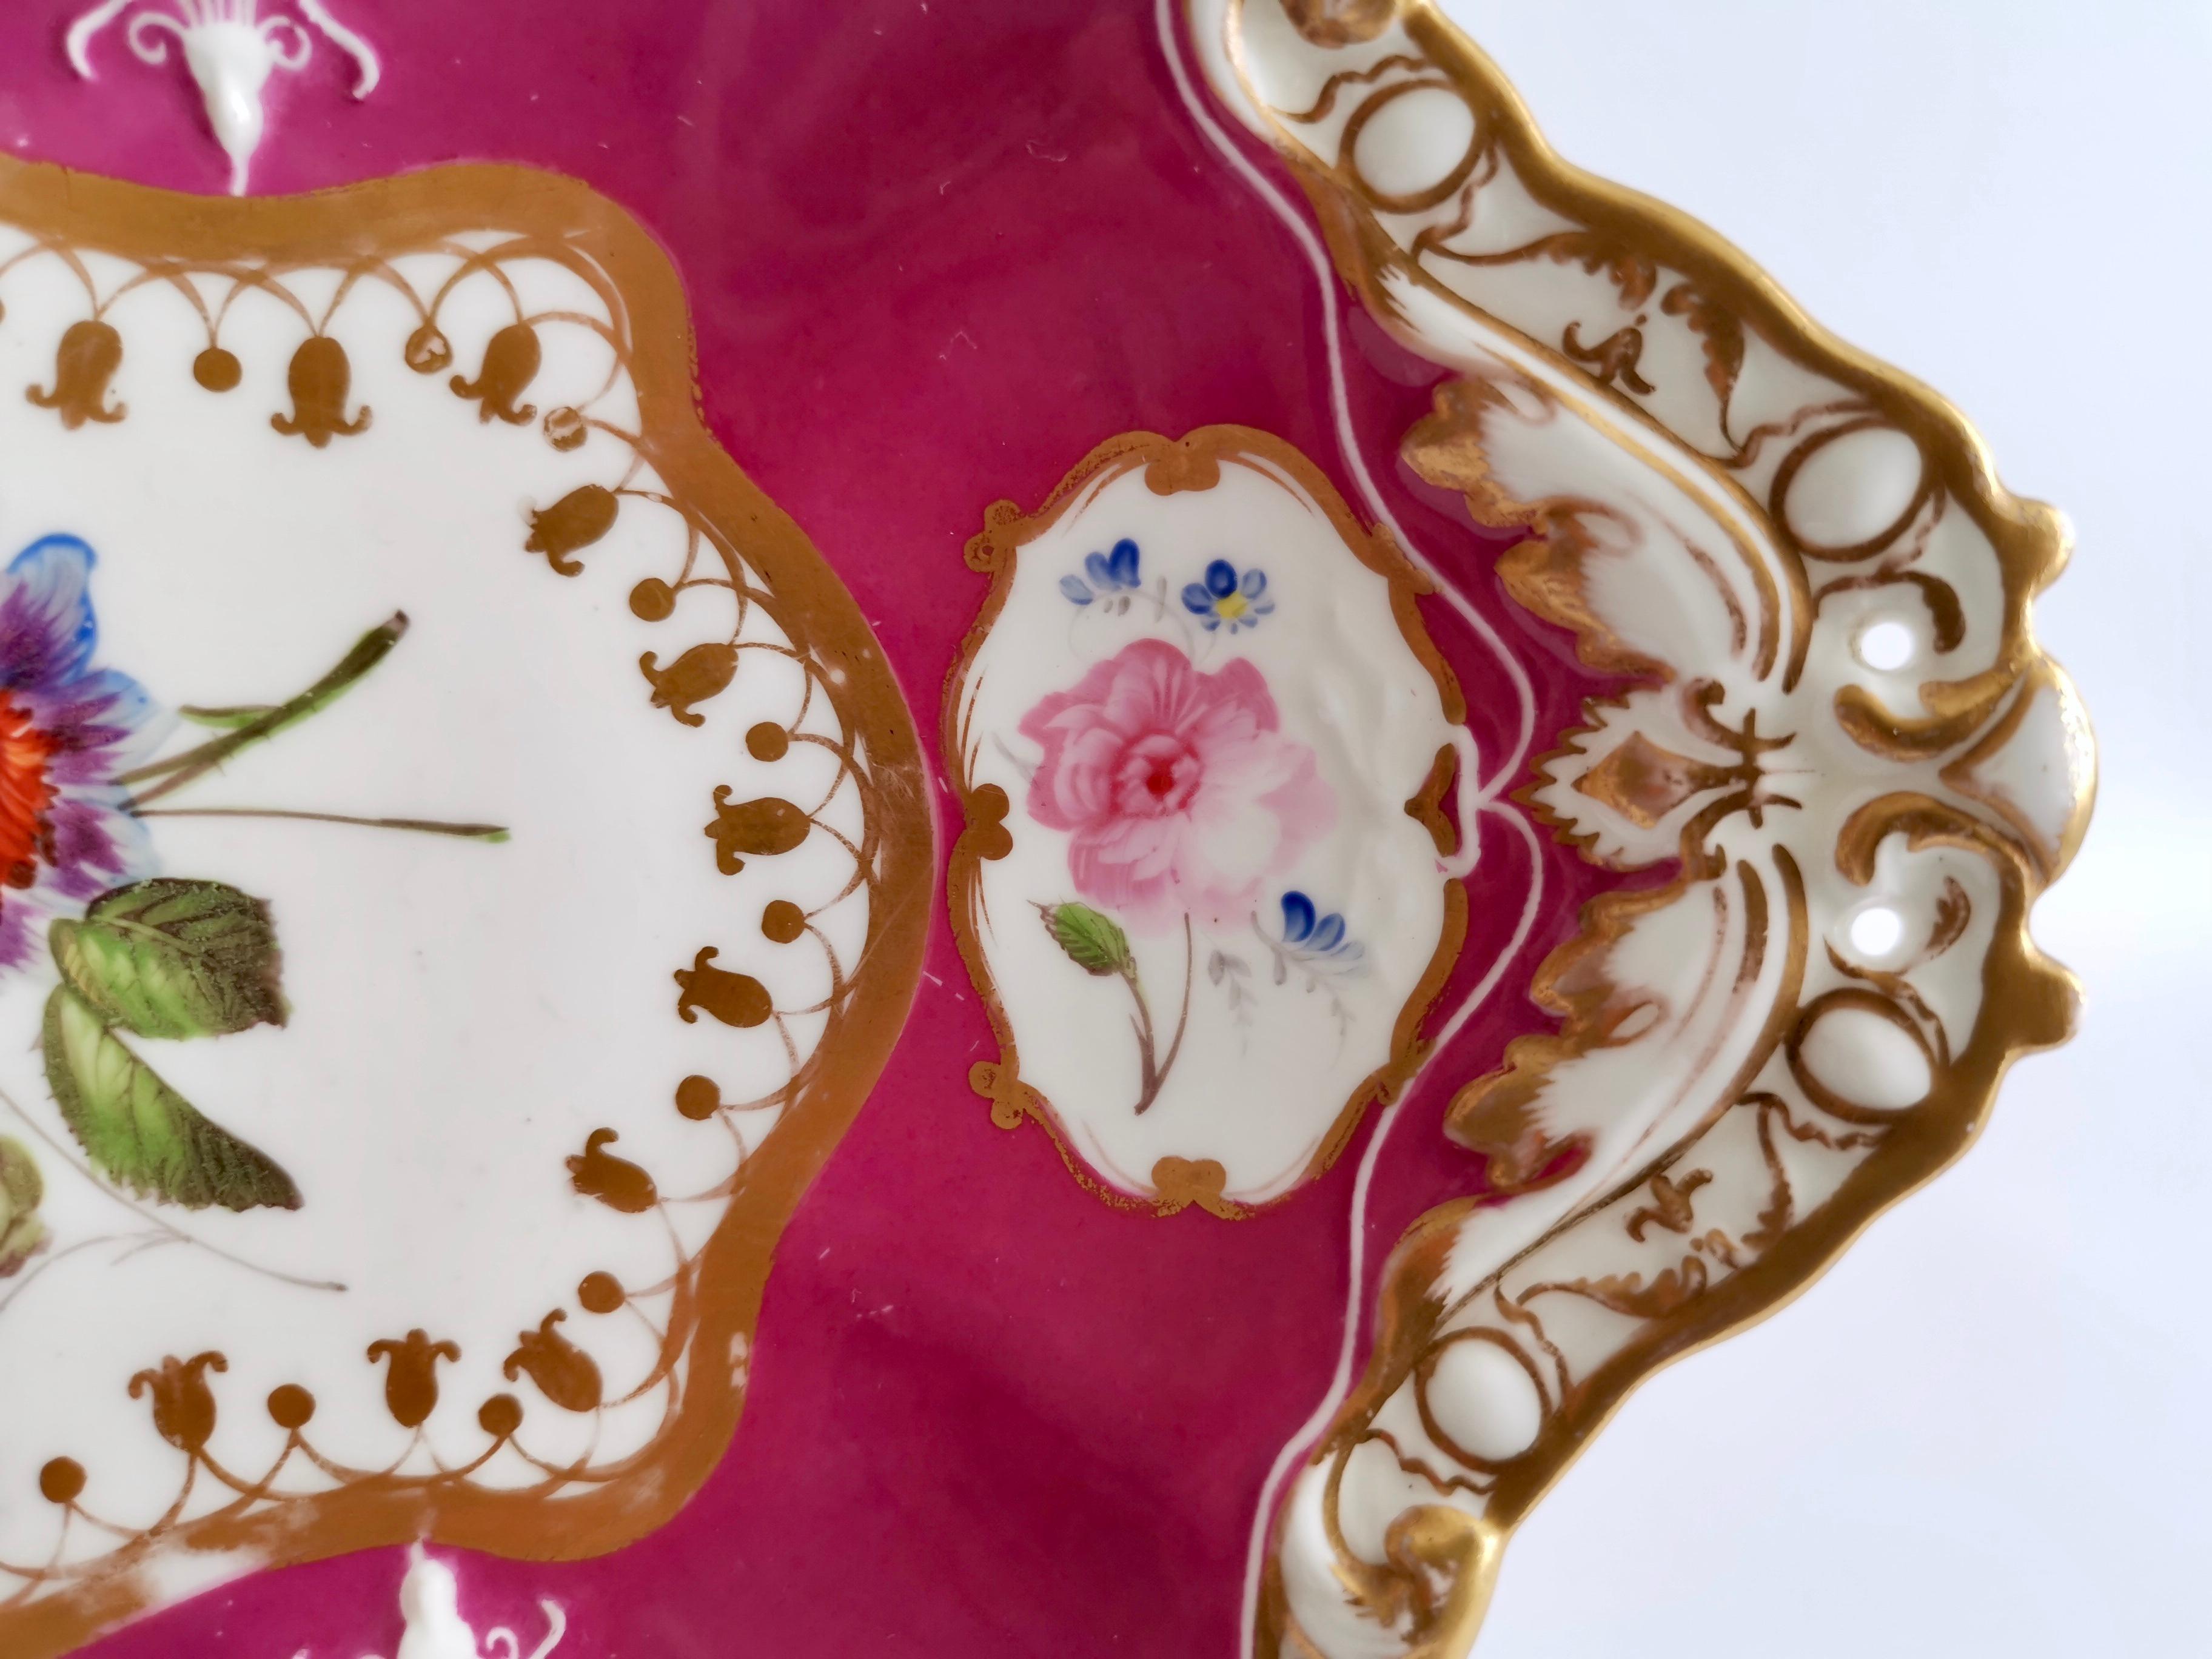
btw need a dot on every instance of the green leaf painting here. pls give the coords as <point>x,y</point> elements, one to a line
<point>22,1234</point>
<point>173,958</point>
<point>1095,943</point>
<point>161,959</point>
<point>1093,940</point>
<point>138,1130</point>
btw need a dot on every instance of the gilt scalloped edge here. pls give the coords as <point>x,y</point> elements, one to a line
<point>1837,731</point>
<point>742,556</point>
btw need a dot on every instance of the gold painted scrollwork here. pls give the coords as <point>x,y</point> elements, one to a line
<point>1193,462</point>
<point>735,549</point>
<point>1718,500</point>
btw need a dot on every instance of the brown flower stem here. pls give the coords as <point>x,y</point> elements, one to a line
<point>1149,1087</point>
<point>136,1241</point>
<point>492,832</point>
<point>1155,1076</point>
<point>180,769</point>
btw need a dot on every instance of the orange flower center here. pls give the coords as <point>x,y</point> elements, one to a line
<point>25,794</point>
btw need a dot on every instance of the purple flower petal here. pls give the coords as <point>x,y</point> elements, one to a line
<point>101,723</point>
<point>47,631</point>
<point>15,944</point>
<point>96,844</point>
<point>73,836</point>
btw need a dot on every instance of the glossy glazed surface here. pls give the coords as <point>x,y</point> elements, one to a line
<point>1749,619</point>
<point>906,312</point>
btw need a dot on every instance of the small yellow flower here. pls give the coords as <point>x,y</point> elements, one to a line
<point>1227,595</point>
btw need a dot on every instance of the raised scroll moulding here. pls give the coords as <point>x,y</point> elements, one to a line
<point>1838,736</point>
<point>231,52</point>
<point>1198,714</point>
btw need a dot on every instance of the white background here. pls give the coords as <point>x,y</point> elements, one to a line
<point>1984,1432</point>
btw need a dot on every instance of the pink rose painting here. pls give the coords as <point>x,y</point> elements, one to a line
<point>1179,788</point>
<point>1182,796</point>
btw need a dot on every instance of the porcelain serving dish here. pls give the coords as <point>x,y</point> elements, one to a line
<point>930,829</point>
